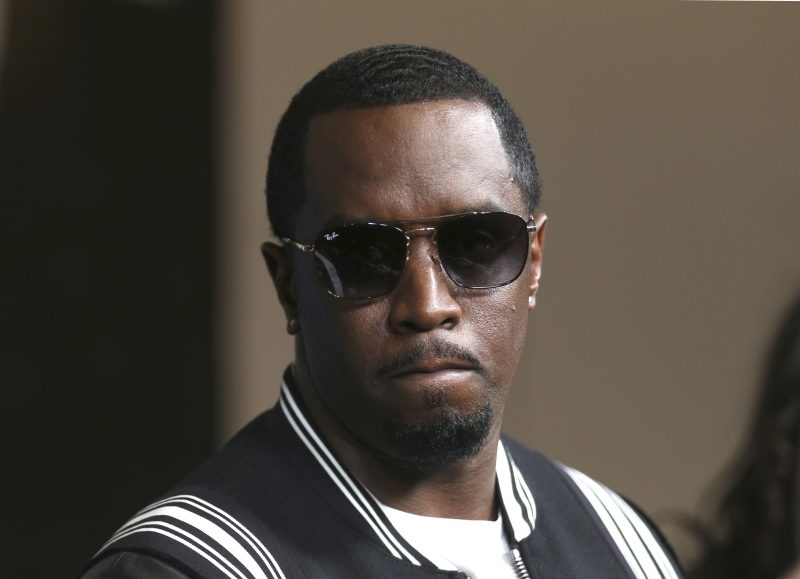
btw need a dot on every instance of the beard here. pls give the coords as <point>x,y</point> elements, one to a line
<point>447,438</point>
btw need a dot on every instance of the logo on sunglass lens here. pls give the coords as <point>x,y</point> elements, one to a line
<point>331,236</point>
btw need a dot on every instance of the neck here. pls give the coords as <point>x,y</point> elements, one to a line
<point>464,489</point>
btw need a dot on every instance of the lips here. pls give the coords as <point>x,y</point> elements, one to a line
<point>430,362</point>
<point>432,366</point>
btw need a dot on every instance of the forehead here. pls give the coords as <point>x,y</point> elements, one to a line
<point>405,162</point>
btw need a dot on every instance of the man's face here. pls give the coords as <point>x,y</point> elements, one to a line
<point>420,375</point>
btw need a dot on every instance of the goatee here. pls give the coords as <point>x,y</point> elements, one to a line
<point>447,438</point>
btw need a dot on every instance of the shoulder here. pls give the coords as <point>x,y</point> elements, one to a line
<point>211,524</point>
<point>577,508</point>
<point>199,531</point>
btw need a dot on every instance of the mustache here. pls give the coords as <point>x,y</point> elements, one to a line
<point>436,349</point>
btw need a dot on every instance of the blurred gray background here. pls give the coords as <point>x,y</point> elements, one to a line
<point>667,134</point>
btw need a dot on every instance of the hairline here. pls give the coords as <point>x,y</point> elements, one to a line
<point>384,76</point>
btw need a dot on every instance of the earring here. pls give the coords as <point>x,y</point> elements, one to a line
<point>293,326</point>
<point>531,300</point>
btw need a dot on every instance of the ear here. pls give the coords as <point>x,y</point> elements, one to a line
<point>537,246</point>
<point>280,268</point>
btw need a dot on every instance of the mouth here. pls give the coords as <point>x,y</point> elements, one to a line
<point>430,358</point>
<point>433,376</point>
<point>434,384</point>
<point>432,371</point>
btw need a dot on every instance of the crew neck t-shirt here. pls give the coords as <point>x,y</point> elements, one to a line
<point>478,548</point>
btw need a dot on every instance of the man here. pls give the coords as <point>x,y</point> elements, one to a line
<point>404,191</point>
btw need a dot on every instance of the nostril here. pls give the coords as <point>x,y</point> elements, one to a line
<point>426,324</point>
<point>448,323</point>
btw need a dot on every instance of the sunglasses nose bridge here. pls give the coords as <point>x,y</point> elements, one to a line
<point>431,251</point>
<point>420,232</point>
<point>428,231</point>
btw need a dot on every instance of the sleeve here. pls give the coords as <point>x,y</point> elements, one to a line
<point>129,565</point>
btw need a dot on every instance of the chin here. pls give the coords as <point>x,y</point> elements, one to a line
<point>440,440</point>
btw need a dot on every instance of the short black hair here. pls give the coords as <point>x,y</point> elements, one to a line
<point>386,75</point>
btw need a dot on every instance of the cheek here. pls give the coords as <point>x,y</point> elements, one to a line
<point>336,334</point>
<point>500,323</point>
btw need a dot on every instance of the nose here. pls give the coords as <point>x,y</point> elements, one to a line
<point>423,300</point>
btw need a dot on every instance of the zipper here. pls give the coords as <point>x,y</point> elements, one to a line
<point>519,565</point>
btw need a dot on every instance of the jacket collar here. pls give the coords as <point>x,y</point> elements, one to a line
<point>516,498</point>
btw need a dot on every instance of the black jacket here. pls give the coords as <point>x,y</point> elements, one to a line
<point>276,503</point>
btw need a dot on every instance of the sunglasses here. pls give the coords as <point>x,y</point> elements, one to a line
<point>366,260</point>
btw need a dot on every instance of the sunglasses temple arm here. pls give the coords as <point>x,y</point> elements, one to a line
<point>297,244</point>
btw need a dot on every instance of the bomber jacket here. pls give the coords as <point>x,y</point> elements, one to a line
<point>276,503</point>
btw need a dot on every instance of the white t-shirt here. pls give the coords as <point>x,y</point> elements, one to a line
<point>477,548</point>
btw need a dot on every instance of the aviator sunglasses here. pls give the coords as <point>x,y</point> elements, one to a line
<point>366,260</point>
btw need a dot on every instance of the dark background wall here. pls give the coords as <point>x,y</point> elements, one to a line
<point>106,195</point>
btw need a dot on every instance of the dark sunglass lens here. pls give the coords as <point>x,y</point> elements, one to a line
<point>360,261</point>
<point>484,250</point>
